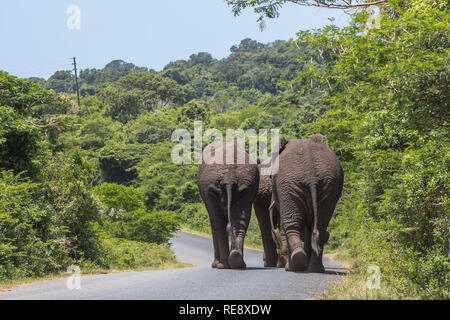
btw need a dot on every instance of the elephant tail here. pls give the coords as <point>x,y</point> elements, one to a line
<point>275,232</point>
<point>315,234</point>
<point>229,190</point>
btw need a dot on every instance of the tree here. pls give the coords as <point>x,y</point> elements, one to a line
<point>61,81</point>
<point>137,92</point>
<point>387,91</point>
<point>270,8</point>
<point>20,133</point>
<point>247,45</point>
<point>150,128</point>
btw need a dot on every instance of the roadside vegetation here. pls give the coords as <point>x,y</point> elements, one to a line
<point>384,110</point>
<point>119,255</point>
<point>388,123</point>
<point>95,185</point>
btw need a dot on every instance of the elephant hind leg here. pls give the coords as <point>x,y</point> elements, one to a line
<point>216,260</point>
<point>298,259</point>
<point>270,249</point>
<point>241,211</point>
<point>315,261</point>
<point>236,260</point>
<point>283,255</point>
<point>218,230</point>
<point>293,219</point>
<point>326,208</point>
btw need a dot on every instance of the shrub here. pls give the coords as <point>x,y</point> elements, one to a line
<point>44,227</point>
<point>125,215</point>
<point>126,254</point>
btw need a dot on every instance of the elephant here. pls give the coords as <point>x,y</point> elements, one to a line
<point>228,191</point>
<point>274,251</point>
<point>261,205</point>
<point>306,189</point>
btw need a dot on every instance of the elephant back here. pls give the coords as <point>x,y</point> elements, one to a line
<point>265,187</point>
<point>217,168</point>
<point>309,162</point>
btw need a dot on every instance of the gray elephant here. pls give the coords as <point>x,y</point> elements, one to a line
<point>261,204</point>
<point>228,190</point>
<point>274,250</point>
<point>306,188</point>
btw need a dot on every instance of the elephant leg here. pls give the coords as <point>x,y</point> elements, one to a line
<point>240,215</point>
<point>216,250</point>
<point>270,250</point>
<point>326,207</point>
<point>219,234</point>
<point>307,244</point>
<point>315,263</point>
<point>283,256</point>
<point>293,218</point>
<point>315,260</point>
<point>280,239</point>
<point>222,241</point>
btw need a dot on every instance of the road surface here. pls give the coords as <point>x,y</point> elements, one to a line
<point>199,282</point>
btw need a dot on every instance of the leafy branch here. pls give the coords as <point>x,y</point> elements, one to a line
<point>270,8</point>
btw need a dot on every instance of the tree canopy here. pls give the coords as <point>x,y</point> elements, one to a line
<point>270,8</point>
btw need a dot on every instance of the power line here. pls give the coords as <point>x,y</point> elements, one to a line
<point>39,69</point>
<point>55,63</point>
<point>76,81</point>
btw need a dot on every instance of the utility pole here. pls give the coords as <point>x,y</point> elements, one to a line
<point>76,81</point>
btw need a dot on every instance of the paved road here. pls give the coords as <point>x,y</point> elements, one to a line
<point>199,282</point>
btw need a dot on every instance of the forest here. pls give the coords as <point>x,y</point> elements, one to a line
<point>94,185</point>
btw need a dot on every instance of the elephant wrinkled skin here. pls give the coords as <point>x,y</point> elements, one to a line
<point>306,189</point>
<point>268,218</point>
<point>228,191</point>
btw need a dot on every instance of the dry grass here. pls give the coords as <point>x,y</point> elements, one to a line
<point>354,285</point>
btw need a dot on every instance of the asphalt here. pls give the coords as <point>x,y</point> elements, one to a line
<point>195,283</point>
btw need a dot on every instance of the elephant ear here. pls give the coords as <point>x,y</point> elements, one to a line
<point>281,144</point>
<point>320,139</point>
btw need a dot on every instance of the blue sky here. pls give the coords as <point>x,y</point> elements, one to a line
<point>35,40</point>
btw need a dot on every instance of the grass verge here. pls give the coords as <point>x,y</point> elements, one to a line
<point>121,255</point>
<point>354,286</point>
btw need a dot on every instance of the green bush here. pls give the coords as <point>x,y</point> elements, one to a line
<point>123,254</point>
<point>44,227</point>
<point>24,249</point>
<point>196,217</point>
<point>125,215</point>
